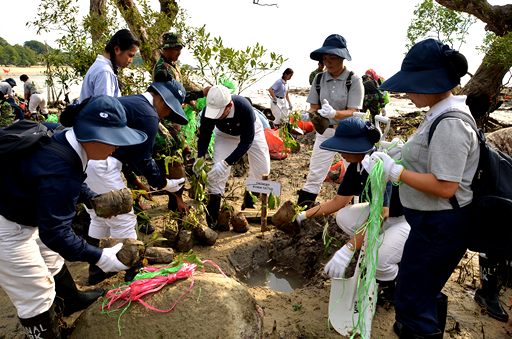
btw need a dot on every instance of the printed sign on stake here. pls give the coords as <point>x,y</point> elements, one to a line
<point>263,186</point>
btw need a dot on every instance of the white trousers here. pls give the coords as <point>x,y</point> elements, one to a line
<point>395,232</point>
<point>104,176</point>
<point>259,156</point>
<point>280,111</point>
<point>319,163</point>
<point>27,268</point>
<point>36,100</point>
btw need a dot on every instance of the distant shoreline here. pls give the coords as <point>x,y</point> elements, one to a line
<point>15,72</point>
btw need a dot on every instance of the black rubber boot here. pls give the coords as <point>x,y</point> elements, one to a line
<point>386,293</point>
<point>73,299</point>
<point>212,210</point>
<point>248,202</point>
<point>487,296</point>
<point>96,275</point>
<point>44,325</point>
<point>306,199</point>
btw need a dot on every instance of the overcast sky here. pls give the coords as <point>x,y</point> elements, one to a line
<point>375,30</point>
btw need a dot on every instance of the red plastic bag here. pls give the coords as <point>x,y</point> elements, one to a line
<point>306,126</point>
<point>336,172</point>
<point>275,145</point>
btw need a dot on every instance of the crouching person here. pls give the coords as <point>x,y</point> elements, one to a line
<point>237,132</point>
<point>354,139</point>
<point>41,191</point>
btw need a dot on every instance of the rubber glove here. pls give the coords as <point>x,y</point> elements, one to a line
<point>300,217</point>
<point>218,170</point>
<point>336,267</point>
<point>393,148</point>
<point>198,166</point>
<point>174,185</point>
<point>392,170</point>
<point>327,111</point>
<point>108,261</point>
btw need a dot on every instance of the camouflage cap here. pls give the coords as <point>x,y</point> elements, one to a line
<point>171,40</point>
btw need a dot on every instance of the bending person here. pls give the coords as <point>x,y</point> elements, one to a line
<point>354,139</point>
<point>237,132</point>
<point>36,212</point>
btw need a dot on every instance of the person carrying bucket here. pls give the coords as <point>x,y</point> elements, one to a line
<point>279,96</point>
<point>353,139</point>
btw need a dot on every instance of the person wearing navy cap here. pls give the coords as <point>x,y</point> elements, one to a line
<point>143,111</point>
<point>40,193</point>
<point>353,139</point>
<point>335,94</point>
<point>435,186</point>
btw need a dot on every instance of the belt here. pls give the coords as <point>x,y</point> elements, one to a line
<point>333,126</point>
<point>279,97</point>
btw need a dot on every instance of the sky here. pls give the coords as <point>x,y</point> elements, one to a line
<point>375,30</point>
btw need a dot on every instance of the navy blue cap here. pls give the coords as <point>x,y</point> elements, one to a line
<point>334,44</point>
<point>353,135</point>
<point>173,94</point>
<point>428,68</point>
<point>103,119</point>
<point>10,81</point>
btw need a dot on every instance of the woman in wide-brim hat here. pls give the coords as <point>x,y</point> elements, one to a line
<point>353,139</point>
<point>335,94</point>
<point>435,186</point>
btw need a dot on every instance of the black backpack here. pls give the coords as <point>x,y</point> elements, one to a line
<point>25,136</point>
<point>489,231</point>
<point>318,78</point>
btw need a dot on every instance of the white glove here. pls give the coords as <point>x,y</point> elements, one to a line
<point>327,111</point>
<point>274,101</point>
<point>336,267</point>
<point>392,170</point>
<point>198,166</point>
<point>300,217</point>
<point>108,261</point>
<point>174,185</point>
<point>393,148</point>
<point>218,170</point>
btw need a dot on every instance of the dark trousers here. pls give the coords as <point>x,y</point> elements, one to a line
<point>435,246</point>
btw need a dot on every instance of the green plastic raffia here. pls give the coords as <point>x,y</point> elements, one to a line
<point>189,130</point>
<point>365,300</point>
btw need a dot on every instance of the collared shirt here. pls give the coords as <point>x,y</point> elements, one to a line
<point>280,88</point>
<point>452,155</point>
<point>5,88</point>
<point>30,87</point>
<point>335,91</point>
<point>239,122</point>
<point>71,138</point>
<point>100,80</point>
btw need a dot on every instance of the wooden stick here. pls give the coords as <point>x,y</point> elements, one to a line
<point>264,203</point>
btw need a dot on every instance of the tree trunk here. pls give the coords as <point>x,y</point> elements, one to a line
<point>498,19</point>
<point>136,24</point>
<point>169,8</point>
<point>97,14</point>
<point>485,86</point>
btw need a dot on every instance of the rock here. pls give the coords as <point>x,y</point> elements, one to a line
<point>185,241</point>
<point>216,307</point>
<point>502,140</point>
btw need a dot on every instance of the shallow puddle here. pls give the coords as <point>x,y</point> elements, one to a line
<point>275,278</point>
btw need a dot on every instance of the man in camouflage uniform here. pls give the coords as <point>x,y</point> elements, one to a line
<point>166,68</point>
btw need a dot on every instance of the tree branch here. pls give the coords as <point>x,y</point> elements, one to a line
<point>498,19</point>
<point>257,2</point>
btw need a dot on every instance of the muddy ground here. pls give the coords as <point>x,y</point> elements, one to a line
<point>303,312</point>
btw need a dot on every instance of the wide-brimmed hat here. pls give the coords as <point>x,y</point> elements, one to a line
<point>10,81</point>
<point>171,40</point>
<point>173,94</point>
<point>103,119</point>
<point>335,44</point>
<point>429,67</point>
<point>217,99</point>
<point>353,135</point>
